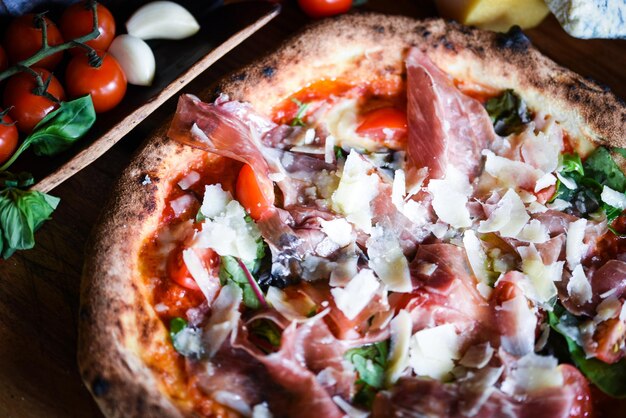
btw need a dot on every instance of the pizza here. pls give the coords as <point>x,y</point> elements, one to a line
<point>385,217</point>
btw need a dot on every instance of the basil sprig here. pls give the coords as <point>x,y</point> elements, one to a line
<point>508,113</point>
<point>22,212</point>
<point>370,362</point>
<point>59,130</point>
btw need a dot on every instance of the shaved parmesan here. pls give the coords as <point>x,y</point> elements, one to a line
<point>229,233</point>
<point>534,232</point>
<point>181,204</point>
<point>476,256</point>
<point>356,190</point>
<point>607,309</point>
<point>189,180</point>
<point>209,285</point>
<point>414,211</point>
<point>294,308</point>
<point>329,149</point>
<point>224,318</point>
<point>541,276</point>
<point>401,328</point>
<point>544,181</point>
<point>388,260</point>
<point>522,341</point>
<point>357,294</point>
<point>450,196</point>
<point>338,230</point>
<point>536,207</point>
<point>542,150</point>
<point>477,356</point>
<point>532,373</point>
<point>559,204</point>
<point>579,287</point>
<point>509,173</point>
<point>344,270</point>
<point>574,246</point>
<point>508,218</point>
<point>566,181</point>
<point>349,410</point>
<point>613,198</point>
<point>214,201</point>
<point>432,351</point>
<point>398,189</point>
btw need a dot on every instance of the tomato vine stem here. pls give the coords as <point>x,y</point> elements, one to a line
<point>47,50</point>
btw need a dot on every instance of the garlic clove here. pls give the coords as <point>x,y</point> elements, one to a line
<point>136,59</point>
<point>162,20</point>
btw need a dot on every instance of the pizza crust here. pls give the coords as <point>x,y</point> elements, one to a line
<point>117,324</point>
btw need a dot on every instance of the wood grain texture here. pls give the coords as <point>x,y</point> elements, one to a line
<point>39,288</point>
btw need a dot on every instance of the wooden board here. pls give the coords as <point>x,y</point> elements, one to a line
<point>39,288</point>
<point>177,63</point>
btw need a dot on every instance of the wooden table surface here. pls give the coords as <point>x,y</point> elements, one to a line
<point>39,289</point>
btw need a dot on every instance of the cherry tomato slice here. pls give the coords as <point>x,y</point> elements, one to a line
<point>8,138</point>
<point>106,84</point>
<point>324,8</point>
<point>582,406</point>
<point>23,39</point>
<point>77,21</point>
<point>609,336</point>
<point>248,193</point>
<point>177,269</point>
<point>387,125</point>
<point>27,108</point>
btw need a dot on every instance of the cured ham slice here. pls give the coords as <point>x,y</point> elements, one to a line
<point>446,127</point>
<point>221,129</point>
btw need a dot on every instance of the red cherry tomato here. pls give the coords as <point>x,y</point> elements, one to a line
<point>27,108</point>
<point>4,60</point>
<point>106,84</point>
<point>609,335</point>
<point>387,125</point>
<point>177,269</point>
<point>582,406</point>
<point>8,138</point>
<point>324,8</point>
<point>23,39</point>
<point>248,193</point>
<point>77,21</point>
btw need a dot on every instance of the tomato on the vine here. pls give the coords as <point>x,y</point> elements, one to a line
<point>23,39</point>
<point>4,61</point>
<point>106,84</point>
<point>28,108</point>
<point>77,21</point>
<point>324,8</point>
<point>8,138</point>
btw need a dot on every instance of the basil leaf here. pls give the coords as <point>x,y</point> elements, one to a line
<point>610,378</point>
<point>601,167</point>
<point>508,113</point>
<point>267,330</point>
<point>61,128</point>
<point>370,362</point>
<point>302,107</point>
<point>230,271</point>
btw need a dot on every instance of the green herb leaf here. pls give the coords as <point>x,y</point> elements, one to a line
<point>340,153</point>
<point>59,130</point>
<point>572,164</point>
<point>602,168</point>
<point>267,330</point>
<point>22,212</point>
<point>230,271</point>
<point>302,107</point>
<point>370,362</point>
<point>610,378</point>
<point>177,325</point>
<point>508,113</point>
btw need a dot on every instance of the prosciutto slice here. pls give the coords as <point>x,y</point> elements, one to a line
<point>446,127</point>
<point>220,128</point>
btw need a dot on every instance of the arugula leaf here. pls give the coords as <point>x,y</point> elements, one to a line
<point>602,168</point>
<point>230,271</point>
<point>302,107</point>
<point>508,113</point>
<point>610,378</point>
<point>22,212</point>
<point>370,362</point>
<point>59,130</point>
<point>340,153</point>
<point>177,325</point>
<point>572,164</point>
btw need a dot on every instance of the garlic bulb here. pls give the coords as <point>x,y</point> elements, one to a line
<point>162,20</point>
<point>136,59</point>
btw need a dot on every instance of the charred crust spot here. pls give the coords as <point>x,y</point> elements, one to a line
<point>379,28</point>
<point>268,71</point>
<point>514,39</point>
<point>100,386</point>
<point>239,77</point>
